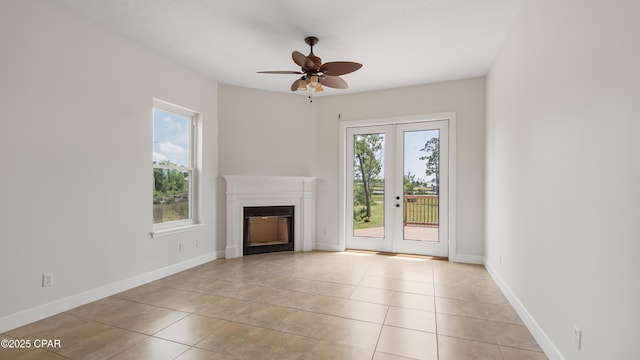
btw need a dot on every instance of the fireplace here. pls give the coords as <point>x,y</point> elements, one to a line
<point>296,192</point>
<point>268,229</point>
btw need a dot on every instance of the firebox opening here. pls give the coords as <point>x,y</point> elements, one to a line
<point>268,229</point>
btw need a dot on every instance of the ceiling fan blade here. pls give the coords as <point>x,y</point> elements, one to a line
<point>302,60</point>
<point>336,68</point>
<point>298,58</point>
<point>335,82</point>
<point>294,86</point>
<point>279,72</point>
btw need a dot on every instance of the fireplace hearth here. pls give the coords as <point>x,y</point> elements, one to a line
<point>268,229</point>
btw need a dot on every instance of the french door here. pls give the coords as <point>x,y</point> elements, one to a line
<point>397,188</point>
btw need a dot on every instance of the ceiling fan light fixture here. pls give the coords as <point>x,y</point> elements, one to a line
<point>302,85</point>
<point>312,71</point>
<point>313,81</point>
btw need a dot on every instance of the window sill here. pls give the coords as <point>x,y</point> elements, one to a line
<point>175,230</point>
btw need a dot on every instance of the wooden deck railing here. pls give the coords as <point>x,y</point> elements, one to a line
<point>421,210</point>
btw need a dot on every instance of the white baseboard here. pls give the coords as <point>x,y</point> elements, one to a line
<point>467,259</point>
<point>541,337</point>
<point>326,247</point>
<point>55,307</point>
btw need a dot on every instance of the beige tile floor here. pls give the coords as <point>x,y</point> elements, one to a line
<point>316,305</point>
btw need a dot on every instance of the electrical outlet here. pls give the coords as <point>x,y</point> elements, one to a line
<point>577,336</point>
<point>197,243</point>
<point>180,246</point>
<point>47,279</point>
<point>500,259</point>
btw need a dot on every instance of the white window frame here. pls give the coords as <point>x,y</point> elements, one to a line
<point>171,227</point>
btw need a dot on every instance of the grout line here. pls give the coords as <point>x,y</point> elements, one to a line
<point>382,325</point>
<point>435,311</point>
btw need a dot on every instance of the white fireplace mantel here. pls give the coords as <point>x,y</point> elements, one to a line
<point>296,191</point>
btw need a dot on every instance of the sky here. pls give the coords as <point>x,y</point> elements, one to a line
<point>413,142</point>
<point>170,137</point>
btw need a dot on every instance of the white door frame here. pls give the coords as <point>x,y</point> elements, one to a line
<point>344,125</point>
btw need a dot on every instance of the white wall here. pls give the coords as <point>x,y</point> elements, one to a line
<point>465,97</point>
<point>562,174</point>
<point>263,133</point>
<point>76,147</point>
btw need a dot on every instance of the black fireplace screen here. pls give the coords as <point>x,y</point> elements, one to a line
<point>268,229</point>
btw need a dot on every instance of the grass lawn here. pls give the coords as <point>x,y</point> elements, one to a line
<point>377,214</point>
<point>415,212</point>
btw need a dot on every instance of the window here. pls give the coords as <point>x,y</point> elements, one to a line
<point>174,166</point>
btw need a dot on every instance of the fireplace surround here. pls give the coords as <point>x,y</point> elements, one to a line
<point>266,191</point>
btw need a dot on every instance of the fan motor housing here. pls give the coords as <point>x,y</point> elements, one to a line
<point>311,40</point>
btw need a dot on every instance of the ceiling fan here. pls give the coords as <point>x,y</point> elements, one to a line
<point>314,73</point>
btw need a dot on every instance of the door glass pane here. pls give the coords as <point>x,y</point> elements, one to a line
<point>368,185</point>
<point>421,178</point>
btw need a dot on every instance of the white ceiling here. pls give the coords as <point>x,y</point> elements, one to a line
<point>400,43</point>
